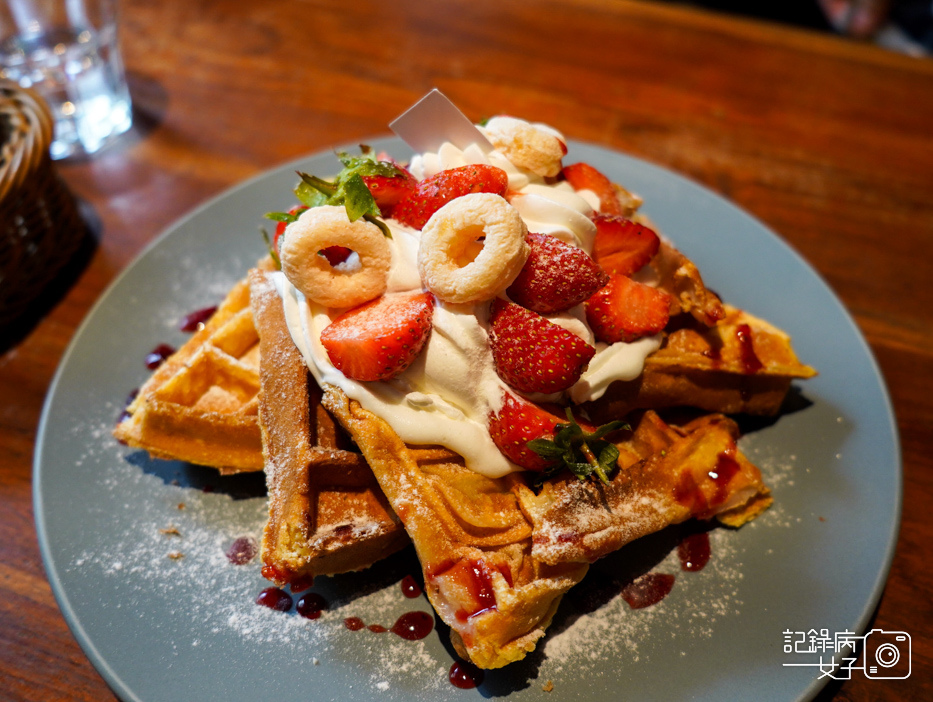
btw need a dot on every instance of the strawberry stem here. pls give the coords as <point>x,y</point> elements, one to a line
<point>593,461</point>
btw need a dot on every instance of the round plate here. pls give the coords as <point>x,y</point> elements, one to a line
<point>135,548</point>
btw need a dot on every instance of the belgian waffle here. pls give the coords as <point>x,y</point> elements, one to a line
<point>326,512</point>
<point>201,404</point>
<point>472,539</point>
<point>740,364</point>
<point>497,558</point>
<point>666,475</point>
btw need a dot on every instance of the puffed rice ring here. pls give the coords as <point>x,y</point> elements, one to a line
<point>533,147</point>
<point>448,261</point>
<point>320,228</point>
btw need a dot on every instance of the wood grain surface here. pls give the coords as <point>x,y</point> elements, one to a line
<point>827,141</point>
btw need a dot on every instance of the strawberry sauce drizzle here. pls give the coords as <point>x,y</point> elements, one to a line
<point>750,361</point>
<point>411,626</point>
<point>275,598</point>
<point>691,495</point>
<point>242,550</point>
<point>410,587</point>
<point>193,321</point>
<point>694,552</point>
<point>465,675</point>
<point>647,590</point>
<point>475,578</point>
<point>157,356</point>
<point>311,605</point>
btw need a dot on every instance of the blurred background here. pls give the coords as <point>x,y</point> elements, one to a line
<point>905,26</point>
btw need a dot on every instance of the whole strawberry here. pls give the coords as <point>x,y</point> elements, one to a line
<point>519,422</point>
<point>532,354</point>
<point>389,190</point>
<point>626,310</point>
<point>381,338</point>
<point>434,192</point>
<point>556,276</point>
<point>537,439</point>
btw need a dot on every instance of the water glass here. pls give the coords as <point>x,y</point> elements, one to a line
<point>67,51</point>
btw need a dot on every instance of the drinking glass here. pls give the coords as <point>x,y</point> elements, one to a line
<point>67,51</point>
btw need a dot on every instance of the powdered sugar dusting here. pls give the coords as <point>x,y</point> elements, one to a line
<point>181,533</point>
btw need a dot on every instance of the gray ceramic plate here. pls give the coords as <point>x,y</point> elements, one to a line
<point>163,628</point>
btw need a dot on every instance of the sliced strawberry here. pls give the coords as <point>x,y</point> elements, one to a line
<point>388,191</point>
<point>626,310</point>
<point>435,192</point>
<point>532,354</point>
<point>556,276</point>
<point>623,246</point>
<point>380,338</point>
<point>583,176</point>
<point>517,423</point>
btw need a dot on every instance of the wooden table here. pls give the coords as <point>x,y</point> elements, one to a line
<point>828,142</point>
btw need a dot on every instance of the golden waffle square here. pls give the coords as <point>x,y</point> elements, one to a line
<point>472,539</point>
<point>666,476</point>
<point>740,364</point>
<point>326,512</point>
<point>201,405</point>
<point>494,556</point>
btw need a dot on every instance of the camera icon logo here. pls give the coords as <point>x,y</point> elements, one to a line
<point>886,655</point>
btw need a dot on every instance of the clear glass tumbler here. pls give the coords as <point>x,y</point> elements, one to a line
<point>67,50</point>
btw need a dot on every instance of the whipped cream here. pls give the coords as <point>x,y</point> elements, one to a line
<point>446,396</point>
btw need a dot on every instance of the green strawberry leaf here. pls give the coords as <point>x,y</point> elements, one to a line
<point>286,217</point>
<point>348,188</point>
<point>583,453</point>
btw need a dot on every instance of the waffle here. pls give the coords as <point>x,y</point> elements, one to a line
<point>680,277</point>
<point>472,539</point>
<point>497,558</point>
<point>666,476</point>
<point>326,512</point>
<point>740,364</point>
<point>201,404</point>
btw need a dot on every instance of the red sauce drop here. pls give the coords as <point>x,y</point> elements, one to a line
<point>647,590</point>
<point>688,493</point>
<point>242,551</point>
<point>275,598</point>
<point>276,574</point>
<point>465,675</point>
<point>377,628</point>
<point>191,322</point>
<point>353,623</point>
<point>750,361</point>
<point>410,587</point>
<point>714,354</point>
<point>694,552</point>
<point>413,626</point>
<point>726,468</point>
<point>124,415</point>
<point>474,577</point>
<point>157,356</point>
<point>311,605</point>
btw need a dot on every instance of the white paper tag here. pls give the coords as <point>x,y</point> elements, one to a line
<point>434,119</point>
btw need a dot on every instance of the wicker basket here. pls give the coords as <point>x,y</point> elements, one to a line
<point>40,228</point>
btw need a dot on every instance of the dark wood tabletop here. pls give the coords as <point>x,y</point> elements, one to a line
<point>828,141</point>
